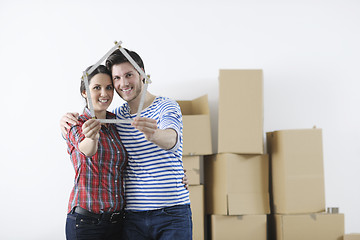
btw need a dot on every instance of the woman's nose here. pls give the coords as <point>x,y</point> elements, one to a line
<point>103,92</point>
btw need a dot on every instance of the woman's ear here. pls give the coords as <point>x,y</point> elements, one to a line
<point>84,94</point>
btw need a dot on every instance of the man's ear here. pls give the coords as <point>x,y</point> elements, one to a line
<point>142,78</point>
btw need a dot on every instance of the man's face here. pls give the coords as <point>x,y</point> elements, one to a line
<point>127,81</point>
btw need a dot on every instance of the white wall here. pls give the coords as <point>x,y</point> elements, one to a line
<point>309,52</point>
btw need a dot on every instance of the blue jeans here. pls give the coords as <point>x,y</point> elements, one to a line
<point>163,224</point>
<point>80,227</point>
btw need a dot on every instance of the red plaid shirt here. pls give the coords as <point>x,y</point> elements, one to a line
<point>98,185</point>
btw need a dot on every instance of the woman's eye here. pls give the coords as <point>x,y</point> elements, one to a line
<point>97,88</point>
<point>109,87</point>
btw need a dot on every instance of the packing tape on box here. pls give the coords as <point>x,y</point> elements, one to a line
<point>333,210</point>
<point>136,66</point>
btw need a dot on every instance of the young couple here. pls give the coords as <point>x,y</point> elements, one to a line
<point>129,176</point>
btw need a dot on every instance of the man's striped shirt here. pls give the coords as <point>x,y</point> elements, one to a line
<point>154,175</point>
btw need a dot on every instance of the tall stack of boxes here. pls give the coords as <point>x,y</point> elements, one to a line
<point>297,188</point>
<point>236,178</point>
<point>249,194</point>
<point>196,143</point>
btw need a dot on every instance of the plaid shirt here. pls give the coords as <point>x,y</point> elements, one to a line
<point>98,185</point>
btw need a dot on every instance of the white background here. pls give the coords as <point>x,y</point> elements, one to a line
<point>309,52</point>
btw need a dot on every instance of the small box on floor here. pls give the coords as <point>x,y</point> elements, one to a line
<point>314,226</point>
<point>352,236</point>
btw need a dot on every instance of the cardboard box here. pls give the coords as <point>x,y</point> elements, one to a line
<point>194,166</point>
<point>247,227</point>
<point>315,226</point>
<point>196,126</point>
<point>236,184</point>
<point>197,209</point>
<point>352,236</point>
<point>297,172</point>
<point>241,116</point>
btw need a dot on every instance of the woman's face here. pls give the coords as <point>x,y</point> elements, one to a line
<point>101,91</point>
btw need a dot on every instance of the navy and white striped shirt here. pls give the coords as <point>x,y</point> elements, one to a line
<point>154,175</point>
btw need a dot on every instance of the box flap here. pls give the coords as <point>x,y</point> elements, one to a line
<point>198,106</point>
<point>310,226</point>
<point>248,203</point>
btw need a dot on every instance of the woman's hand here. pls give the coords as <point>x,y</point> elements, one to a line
<point>91,129</point>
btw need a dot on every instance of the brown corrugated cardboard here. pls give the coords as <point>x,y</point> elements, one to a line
<point>196,126</point>
<point>316,226</point>
<point>297,173</point>
<point>241,117</point>
<point>197,209</point>
<point>236,184</point>
<point>247,227</point>
<point>352,236</point>
<point>194,166</point>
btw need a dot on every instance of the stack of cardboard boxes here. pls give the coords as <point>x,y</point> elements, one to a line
<point>196,143</point>
<point>297,188</point>
<point>236,178</point>
<point>246,196</point>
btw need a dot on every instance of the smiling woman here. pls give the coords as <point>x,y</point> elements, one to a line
<point>99,159</point>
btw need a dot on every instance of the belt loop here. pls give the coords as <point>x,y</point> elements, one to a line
<point>73,210</point>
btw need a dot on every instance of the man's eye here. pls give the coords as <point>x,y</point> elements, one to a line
<point>129,75</point>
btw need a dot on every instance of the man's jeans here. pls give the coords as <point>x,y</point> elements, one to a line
<point>167,223</point>
<point>80,227</point>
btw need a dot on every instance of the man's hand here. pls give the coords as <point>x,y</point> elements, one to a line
<point>164,138</point>
<point>185,180</point>
<point>147,126</point>
<point>66,121</point>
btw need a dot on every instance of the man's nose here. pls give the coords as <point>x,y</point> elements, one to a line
<point>124,81</point>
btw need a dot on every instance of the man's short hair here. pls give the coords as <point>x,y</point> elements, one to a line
<point>117,58</point>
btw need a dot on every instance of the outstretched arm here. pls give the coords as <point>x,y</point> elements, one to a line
<point>90,129</point>
<point>164,138</point>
